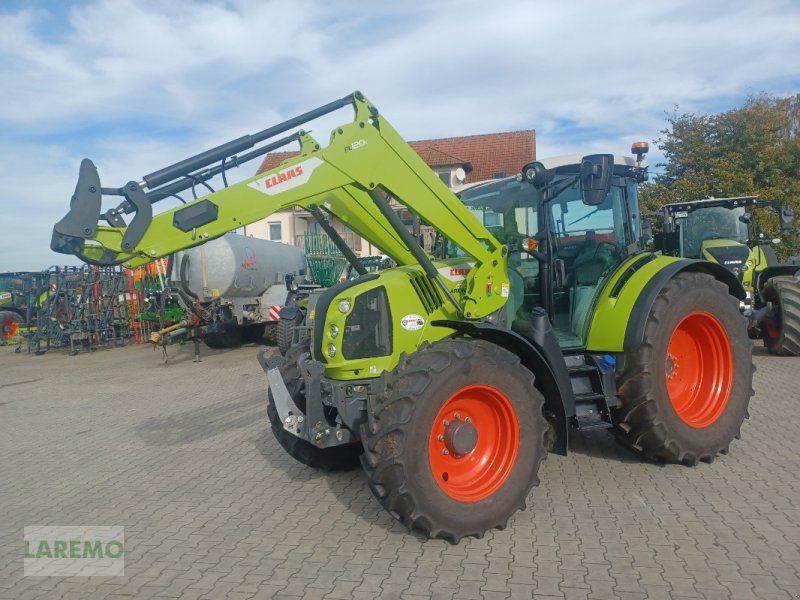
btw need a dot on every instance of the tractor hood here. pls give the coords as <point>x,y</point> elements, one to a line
<point>731,255</point>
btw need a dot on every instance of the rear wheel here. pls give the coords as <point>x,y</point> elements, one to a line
<point>327,459</point>
<point>685,389</point>
<point>783,335</point>
<point>9,325</point>
<point>457,439</point>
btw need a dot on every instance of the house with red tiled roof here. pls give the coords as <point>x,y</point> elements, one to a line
<point>457,160</point>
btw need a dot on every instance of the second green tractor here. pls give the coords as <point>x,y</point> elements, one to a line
<point>725,231</point>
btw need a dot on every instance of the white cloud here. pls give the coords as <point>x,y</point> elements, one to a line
<point>137,85</point>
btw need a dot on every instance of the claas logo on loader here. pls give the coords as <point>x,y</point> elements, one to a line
<point>286,175</point>
<point>288,178</point>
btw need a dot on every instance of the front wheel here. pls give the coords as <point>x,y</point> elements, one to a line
<point>9,325</point>
<point>686,387</point>
<point>456,440</point>
<point>782,336</point>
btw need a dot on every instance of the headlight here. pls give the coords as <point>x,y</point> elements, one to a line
<point>334,331</point>
<point>344,306</point>
<point>331,350</point>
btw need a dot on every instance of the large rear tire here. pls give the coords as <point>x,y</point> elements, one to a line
<point>456,440</point>
<point>783,337</point>
<point>327,459</point>
<point>685,389</point>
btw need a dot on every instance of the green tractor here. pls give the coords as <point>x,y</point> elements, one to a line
<point>725,231</point>
<point>451,375</point>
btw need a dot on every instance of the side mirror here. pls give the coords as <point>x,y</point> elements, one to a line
<point>785,216</point>
<point>596,178</point>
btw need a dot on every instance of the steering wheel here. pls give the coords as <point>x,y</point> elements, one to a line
<point>712,235</point>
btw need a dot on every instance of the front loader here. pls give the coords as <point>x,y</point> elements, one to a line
<point>725,231</point>
<point>450,375</point>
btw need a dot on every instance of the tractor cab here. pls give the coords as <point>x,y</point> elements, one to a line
<point>563,246</point>
<point>722,230</point>
<point>716,229</point>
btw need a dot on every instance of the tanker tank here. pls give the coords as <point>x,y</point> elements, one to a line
<point>234,266</point>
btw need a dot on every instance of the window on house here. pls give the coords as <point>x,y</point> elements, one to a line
<point>275,232</point>
<point>445,177</point>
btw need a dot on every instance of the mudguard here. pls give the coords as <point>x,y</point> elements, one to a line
<point>625,303</point>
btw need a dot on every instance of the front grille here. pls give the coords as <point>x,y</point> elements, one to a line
<point>368,328</point>
<point>427,292</point>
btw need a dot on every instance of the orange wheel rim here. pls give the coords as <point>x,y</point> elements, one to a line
<point>10,328</point>
<point>474,443</point>
<point>699,369</point>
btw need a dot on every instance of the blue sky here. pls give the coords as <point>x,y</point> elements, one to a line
<point>137,84</point>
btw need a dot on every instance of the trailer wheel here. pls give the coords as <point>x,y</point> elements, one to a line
<point>285,331</point>
<point>327,459</point>
<point>685,389</point>
<point>783,337</point>
<point>457,438</point>
<point>221,340</point>
<point>9,325</point>
<point>253,333</point>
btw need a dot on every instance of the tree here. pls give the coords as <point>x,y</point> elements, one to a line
<point>752,150</point>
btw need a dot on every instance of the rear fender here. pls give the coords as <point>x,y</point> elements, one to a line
<point>544,360</point>
<point>634,333</point>
<point>623,308</point>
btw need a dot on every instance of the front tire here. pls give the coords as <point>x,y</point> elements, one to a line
<point>457,439</point>
<point>783,337</point>
<point>685,389</point>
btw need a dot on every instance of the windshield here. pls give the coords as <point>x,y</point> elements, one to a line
<point>712,222</point>
<point>506,207</point>
<point>572,220</point>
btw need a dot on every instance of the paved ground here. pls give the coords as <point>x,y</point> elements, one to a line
<point>213,508</point>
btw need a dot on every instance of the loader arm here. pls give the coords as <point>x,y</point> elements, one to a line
<point>364,161</point>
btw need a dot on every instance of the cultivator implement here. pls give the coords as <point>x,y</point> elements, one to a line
<point>81,308</point>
